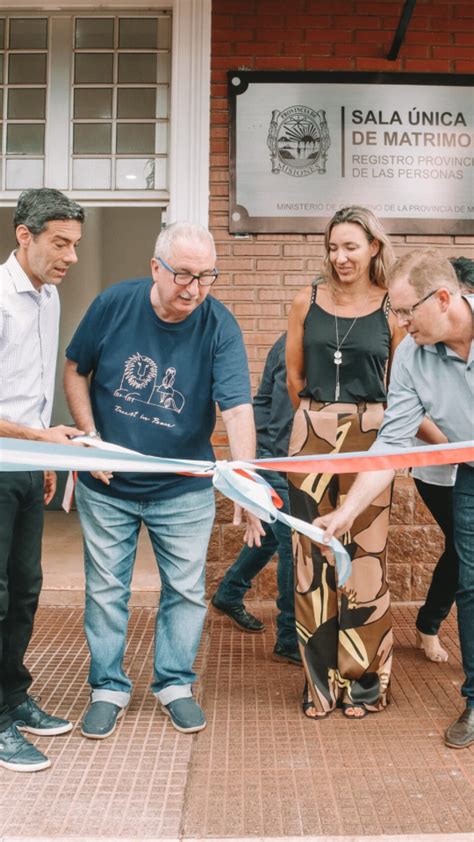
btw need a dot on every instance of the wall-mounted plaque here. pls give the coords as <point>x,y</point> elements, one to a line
<point>303,145</point>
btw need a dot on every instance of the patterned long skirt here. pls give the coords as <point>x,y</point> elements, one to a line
<point>345,633</point>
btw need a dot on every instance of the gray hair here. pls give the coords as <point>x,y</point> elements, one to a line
<point>425,269</point>
<point>35,208</point>
<point>187,231</point>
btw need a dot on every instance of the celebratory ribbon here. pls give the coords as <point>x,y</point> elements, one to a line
<point>237,480</point>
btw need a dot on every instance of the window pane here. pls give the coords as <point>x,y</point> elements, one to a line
<point>27,104</point>
<point>135,174</point>
<point>1,109</point>
<point>137,33</point>
<point>94,33</point>
<point>137,69</point>
<point>27,70</point>
<point>91,173</point>
<point>138,137</point>
<point>164,65</point>
<point>136,102</point>
<point>25,139</point>
<point>28,34</point>
<point>162,102</point>
<point>94,69</point>
<point>89,102</point>
<point>2,33</point>
<point>92,138</point>
<point>164,33</point>
<point>1,68</point>
<point>22,174</point>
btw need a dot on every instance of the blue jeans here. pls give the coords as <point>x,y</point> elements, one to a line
<point>252,560</point>
<point>463,498</point>
<point>179,530</point>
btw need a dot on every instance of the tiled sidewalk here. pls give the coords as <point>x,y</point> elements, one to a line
<point>260,769</point>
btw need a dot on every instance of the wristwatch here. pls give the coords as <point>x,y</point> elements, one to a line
<point>94,434</point>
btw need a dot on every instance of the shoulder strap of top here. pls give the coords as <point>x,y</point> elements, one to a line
<point>313,293</point>
<point>386,305</point>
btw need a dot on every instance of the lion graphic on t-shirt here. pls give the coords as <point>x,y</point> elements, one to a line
<point>139,383</point>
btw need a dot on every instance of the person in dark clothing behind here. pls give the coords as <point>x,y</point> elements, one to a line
<point>435,487</point>
<point>273,419</point>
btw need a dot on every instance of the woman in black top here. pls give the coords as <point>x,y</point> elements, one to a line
<point>341,338</point>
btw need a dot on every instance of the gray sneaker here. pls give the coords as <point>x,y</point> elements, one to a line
<point>186,715</point>
<point>18,755</point>
<point>29,717</point>
<point>100,720</point>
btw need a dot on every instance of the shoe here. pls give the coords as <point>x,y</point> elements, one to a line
<point>18,755</point>
<point>288,656</point>
<point>29,717</point>
<point>186,715</point>
<point>308,705</point>
<point>461,733</point>
<point>347,706</point>
<point>100,720</point>
<point>239,616</point>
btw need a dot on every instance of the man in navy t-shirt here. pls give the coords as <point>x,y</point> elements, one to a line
<point>145,369</point>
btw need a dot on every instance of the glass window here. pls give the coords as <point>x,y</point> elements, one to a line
<point>28,34</point>
<point>137,69</point>
<point>92,138</point>
<point>2,33</point>
<point>1,67</point>
<point>27,69</point>
<point>136,102</point>
<point>94,69</point>
<point>135,137</point>
<point>94,33</point>
<point>164,67</point>
<point>138,33</point>
<point>1,109</point>
<point>164,33</point>
<point>91,174</point>
<point>26,103</point>
<point>92,102</point>
<point>24,139</point>
<point>135,174</point>
<point>22,173</point>
<point>162,102</point>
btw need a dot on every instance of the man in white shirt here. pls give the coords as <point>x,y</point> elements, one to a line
<point>432,374</point>
<point>47,228</point>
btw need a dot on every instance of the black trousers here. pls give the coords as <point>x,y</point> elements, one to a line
<point>442,591</point>
<point>21,530</point>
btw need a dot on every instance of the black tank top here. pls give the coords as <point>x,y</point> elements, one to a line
<point>364,355</point>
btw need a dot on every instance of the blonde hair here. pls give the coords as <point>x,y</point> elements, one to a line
<point>373,230</point>
<point>425,269</point>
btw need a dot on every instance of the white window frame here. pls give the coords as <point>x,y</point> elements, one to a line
<point>190,104</point>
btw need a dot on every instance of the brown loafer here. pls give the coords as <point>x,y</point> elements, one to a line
<point>461,733</point>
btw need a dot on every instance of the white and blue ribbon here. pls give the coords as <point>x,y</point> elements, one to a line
<point>236,480</point>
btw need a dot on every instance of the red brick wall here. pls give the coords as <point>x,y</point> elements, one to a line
<point>261,274</point>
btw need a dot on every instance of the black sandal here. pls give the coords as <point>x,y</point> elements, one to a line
<point>354,706</point>
<point>308,703</point>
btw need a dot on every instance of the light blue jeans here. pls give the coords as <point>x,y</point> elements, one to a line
<point>179,530</point>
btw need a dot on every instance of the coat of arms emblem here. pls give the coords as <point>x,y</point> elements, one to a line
<point>298,140</point>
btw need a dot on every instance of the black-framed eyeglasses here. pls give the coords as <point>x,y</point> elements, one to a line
<point>183,279</point>
<point>408,313</point>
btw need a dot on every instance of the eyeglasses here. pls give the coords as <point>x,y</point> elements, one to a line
<point>183,279</point>
<point>408,313</point>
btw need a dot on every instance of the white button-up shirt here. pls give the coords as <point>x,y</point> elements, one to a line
<point>29,329</point>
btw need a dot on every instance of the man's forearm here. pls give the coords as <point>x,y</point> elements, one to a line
<point>240,429</point>
<point>10,430</point>
<point>366,487</point>
<point>76,388</point>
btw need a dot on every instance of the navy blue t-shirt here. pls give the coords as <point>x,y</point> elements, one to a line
<point>154,384</point>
